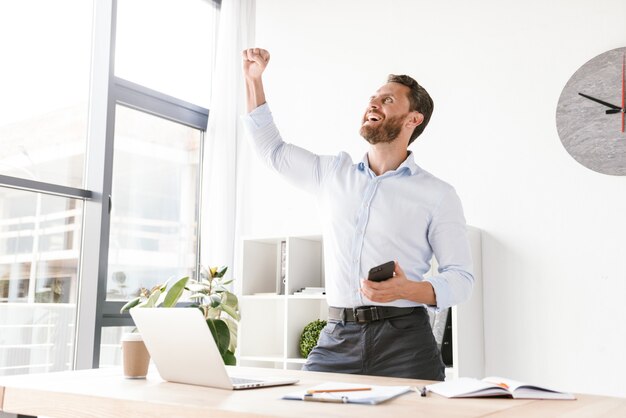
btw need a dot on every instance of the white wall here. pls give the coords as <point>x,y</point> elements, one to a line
<point>554,243</point>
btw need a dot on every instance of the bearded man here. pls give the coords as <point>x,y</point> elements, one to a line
<point>382,208</point>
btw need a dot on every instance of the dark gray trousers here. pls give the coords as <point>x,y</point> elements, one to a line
<point>403,346</point>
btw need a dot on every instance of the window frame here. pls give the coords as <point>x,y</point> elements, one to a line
<point>108,91</point>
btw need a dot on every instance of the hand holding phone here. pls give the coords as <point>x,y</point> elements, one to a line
<point>382,272</point>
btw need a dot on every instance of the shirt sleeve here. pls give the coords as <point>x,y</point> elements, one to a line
<point>260,117</point>
<point>299,166</point>
<point>447,235</point>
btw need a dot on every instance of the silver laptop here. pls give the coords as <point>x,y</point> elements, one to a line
<point>184,351</point>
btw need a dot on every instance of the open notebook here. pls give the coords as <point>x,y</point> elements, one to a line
<point>466,387</point>
<point>184,351</point>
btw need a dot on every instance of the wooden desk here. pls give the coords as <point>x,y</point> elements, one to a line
<point>106,393</point>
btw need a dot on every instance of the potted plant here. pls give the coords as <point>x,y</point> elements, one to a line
<point>209,294</point>
<point>310,335</point>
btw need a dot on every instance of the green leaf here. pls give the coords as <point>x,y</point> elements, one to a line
<point>230,299</point>
<point>221,272</point>
<point>152,300</point>
<point>229,358</point>
<point>230,305</point>
<point>232,327</point>
<point>221,334</point>
<point>174,292</point>
<point>130,304</point>
<point>231,311</point>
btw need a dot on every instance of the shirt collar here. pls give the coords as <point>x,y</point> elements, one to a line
<point>407,165</point>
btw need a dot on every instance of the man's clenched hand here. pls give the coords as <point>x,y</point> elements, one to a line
<point>254,62</point>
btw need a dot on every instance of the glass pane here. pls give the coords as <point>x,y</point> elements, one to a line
<point>167,46</point>
<point>155,195</point>
<point>111,347</point>
<point>46,55</point>
<point>39,250</point>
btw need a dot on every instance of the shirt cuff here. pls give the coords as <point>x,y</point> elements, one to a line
<point>259,118</point>
<point>440,295</point>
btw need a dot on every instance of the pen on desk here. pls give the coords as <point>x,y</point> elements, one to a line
<point>423,391</point>
<point>311,398</point>
<point>312,391</point>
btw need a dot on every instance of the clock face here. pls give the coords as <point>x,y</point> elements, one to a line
<point>590,114</point>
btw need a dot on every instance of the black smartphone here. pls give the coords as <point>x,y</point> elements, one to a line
<point>382,272</point>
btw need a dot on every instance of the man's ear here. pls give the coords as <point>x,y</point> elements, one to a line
<point>415,119</point>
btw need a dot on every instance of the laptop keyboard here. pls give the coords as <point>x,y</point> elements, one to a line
<point>242,380</point>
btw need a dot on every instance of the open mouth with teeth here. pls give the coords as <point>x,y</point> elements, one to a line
<point>373,117</point>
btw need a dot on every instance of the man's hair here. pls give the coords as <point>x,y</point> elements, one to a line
<point>419,100</point>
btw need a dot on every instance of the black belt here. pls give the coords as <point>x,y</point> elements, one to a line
<point>364,314</point>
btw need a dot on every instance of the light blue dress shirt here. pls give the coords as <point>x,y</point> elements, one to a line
<point>406,214</point>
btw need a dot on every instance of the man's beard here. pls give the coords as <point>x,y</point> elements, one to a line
<point>384,133</point>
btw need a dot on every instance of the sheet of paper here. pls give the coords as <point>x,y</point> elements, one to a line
<point>375,394</point>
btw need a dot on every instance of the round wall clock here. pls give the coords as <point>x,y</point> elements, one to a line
<point>590,114</point>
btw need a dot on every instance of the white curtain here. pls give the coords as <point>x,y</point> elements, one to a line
<point>219,183</point>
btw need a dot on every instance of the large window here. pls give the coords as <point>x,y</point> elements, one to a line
<point>154,211</point>
<point>100,167</point>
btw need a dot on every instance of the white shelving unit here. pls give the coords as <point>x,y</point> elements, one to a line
<point>273,317</point>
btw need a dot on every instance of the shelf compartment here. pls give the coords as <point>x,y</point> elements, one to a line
<point>302,312</point>
<point>261,268</point>
<point>305,266</point>
<point>262,328</point>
